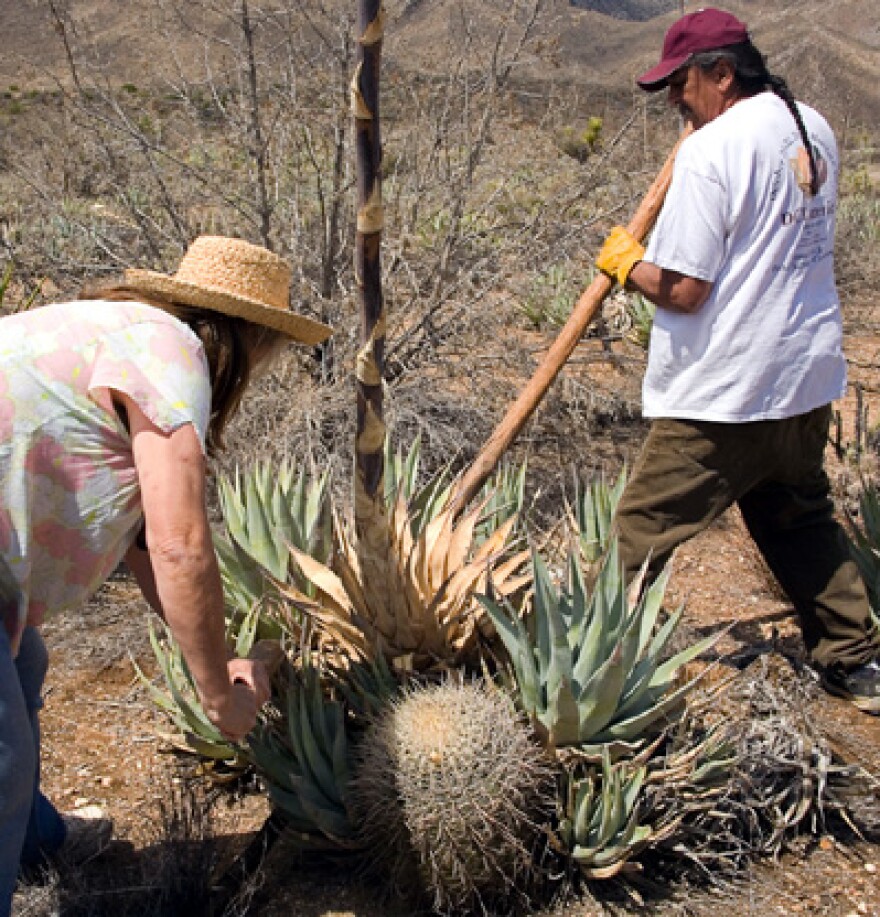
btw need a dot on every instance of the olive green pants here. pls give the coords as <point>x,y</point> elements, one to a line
<point>690,472</point>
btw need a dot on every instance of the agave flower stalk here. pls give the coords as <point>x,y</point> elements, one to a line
<point>588,664</point>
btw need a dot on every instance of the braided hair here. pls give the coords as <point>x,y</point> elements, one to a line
<point>752,76</point>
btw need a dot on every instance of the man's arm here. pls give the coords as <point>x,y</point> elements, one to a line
<point>668,289</point>
<point>621,259</point>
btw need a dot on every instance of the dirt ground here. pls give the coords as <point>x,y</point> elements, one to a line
<point>103,744</point>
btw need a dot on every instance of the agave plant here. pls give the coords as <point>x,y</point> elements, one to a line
<point>367,686</point>
<point>304,760</point>
<point>599,826</point>
<point>641,314</point>
<point>180,699</point>
<point>266,509</point>
<point>425,611</point>
<point>692,773</point>
<point>588,665</point>
<point>611,812</point>
<point>402,480</point>
<point>501,497</point>
<point>594,509</point>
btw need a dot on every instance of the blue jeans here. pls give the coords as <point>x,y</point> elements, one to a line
<point>30,826</point>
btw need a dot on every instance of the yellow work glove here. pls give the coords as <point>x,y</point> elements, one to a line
<point>619,253</point>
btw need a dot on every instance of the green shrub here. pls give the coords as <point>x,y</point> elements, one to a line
<point>580,144</point>
<point>550,298</point>
<point>641,313</point>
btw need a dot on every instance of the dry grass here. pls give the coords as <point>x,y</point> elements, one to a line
<point>171,876</point>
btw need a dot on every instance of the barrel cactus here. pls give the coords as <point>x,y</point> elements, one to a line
<point>451,795</point>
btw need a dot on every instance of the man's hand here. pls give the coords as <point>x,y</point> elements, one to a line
<point>619,254</point>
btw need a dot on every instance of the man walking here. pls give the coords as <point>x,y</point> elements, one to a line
<point>745,355</point>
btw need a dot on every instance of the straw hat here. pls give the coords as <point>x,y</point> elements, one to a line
<point>236,278</point>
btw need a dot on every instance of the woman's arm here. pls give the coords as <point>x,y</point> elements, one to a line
<point>138,562</point>
<point>180,573</point>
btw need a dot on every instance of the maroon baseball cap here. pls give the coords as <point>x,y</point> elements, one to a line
<point>704,30</point>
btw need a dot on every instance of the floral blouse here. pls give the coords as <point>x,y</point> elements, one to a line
<point>69,497</point>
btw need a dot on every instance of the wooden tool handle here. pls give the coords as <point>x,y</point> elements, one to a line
<point>583,313</point>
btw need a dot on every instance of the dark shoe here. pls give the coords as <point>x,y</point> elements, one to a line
<point>860,686</point>
<point>88,835</point>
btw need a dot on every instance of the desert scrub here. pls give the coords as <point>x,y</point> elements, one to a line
<point>26,298</point>
<point>580,143</point>
<point>451,795</point>
<point>550,298</point>
<point>858,232</point>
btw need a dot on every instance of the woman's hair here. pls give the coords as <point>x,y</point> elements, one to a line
<point>233,346</point>
<point>752,76</point>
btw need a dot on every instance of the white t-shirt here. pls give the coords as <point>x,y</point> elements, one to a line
<point>767,342</point>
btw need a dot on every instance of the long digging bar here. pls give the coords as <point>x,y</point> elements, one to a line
<point>583,313</point>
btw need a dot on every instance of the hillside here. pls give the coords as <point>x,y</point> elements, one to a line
<point>637,10</point>
<point>828,51</point>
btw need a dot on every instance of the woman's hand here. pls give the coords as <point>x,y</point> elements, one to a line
<point>235,715</point>
<point>253,673</point>
<point>249,689</point>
